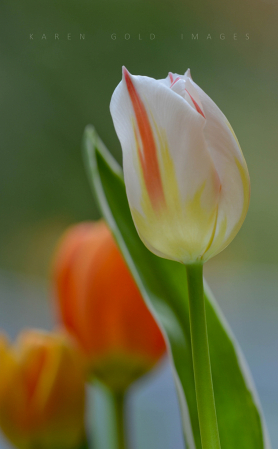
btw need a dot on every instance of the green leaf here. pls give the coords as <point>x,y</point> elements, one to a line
<point>163,286</point>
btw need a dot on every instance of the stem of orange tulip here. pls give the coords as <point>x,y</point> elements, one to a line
<point>119,400</point>
<point>84,444</point>
<point>201,359</point>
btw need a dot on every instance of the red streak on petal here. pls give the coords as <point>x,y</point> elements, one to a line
<point>198,109</point>
<point>148,154</point>
<point>174,82</point>
<point>171,77</point>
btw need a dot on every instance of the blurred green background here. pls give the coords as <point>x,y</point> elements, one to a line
<point>51,89</point>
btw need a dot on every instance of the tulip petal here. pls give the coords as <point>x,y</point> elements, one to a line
<point>231,167</point>
<point>181,223</point>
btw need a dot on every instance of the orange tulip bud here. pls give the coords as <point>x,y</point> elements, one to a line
<point>42,392</point>
<point>101,306</point>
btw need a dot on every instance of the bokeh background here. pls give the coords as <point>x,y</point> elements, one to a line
<point>51,89</point>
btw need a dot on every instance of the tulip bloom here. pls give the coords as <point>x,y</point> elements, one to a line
<point>42,392</point>
<point>101,306</point>
<point>186,178</point>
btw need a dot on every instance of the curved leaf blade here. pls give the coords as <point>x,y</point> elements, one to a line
<point>163,286</point>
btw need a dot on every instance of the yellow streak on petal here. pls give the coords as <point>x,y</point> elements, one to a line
<point>246,199</point>
<point>212,234</point>
<point>217,245</point>
<point>180,230</point>
<point>48,376</point>
<point>220,242</point>
<point>234,136</point>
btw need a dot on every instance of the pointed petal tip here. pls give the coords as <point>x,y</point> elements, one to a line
<point>127,78</point>
<point>188,73</point>
<point>126,74</point>
<point>171,77</point>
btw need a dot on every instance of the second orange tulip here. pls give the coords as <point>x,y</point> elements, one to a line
<point>101,306</point>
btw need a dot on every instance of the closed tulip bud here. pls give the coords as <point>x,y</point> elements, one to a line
<point>42,392</point>
<point>186,178</point>
<point>101,306</point>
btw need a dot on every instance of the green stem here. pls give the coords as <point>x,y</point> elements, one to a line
<point>84,444</point>
<point>119,399</point>
<point>201,359</point>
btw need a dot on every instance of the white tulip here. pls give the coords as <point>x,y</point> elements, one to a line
<point>186,178</point>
